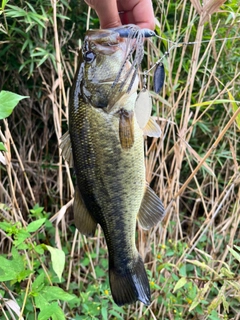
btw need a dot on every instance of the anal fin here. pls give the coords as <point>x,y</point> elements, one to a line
<point>82,218</point>
<point>151,211</point>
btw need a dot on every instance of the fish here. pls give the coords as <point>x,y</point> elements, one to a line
<point>105,146</point>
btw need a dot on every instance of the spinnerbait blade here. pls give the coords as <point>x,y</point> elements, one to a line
<point>158,78</point>
<point>143,108</point>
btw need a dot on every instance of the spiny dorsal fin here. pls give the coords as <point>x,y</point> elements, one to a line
<point>126,129</point>
<point>82,218</point>
<point>152,129</point>
<point>151,211</point>
<point>66,147</point>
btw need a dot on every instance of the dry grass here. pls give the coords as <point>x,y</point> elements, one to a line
<point>193,167</point>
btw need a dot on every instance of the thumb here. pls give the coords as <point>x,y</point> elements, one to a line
<point>107,12</point>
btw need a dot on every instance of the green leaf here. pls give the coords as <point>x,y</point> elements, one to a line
<point>226,272</point>
<point>211,102</point>
<point>202,265</point>
<point>55,293</point>
<point>40,301</point>
<point>115,314</point>
<point>51,311</point>
<point>181,282</point>
<point>12,269</point>
<point>7,270</point>
<point>39,249</point>
<point>58,260</point>
<point>33,226</point>
<point>200,296</point>
<point>194,304</point>
<point>4,2</point>
<point>235,108</point>
<point>8,101</point>
<point>38,283</point>
<point>183,270</point>
<point>21,236</point>
<point>234,253</point>
<point>2,147</point>
<point>18,259</point>
<point>167,266</point>
<point>5,226</point>
<point>213,315</point>
<point>104,313</point>
<point>23,275</point>
<point>37,211</point>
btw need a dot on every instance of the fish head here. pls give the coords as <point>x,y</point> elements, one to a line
<point>105,66</point>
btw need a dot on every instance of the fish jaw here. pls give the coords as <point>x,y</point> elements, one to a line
<point>104,41</point>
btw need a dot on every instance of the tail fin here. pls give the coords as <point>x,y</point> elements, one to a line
<point>129,284</point>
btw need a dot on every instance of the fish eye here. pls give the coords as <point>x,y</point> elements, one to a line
<point>89,56</point>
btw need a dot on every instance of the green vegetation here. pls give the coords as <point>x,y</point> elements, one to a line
<point>49,270</point>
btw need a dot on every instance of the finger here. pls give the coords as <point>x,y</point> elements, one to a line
<point>139,12</point>
<point>107,12</point>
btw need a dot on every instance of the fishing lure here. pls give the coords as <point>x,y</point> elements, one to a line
<point>126,32</point>
<point>158,78</point>
<point>135,43</point>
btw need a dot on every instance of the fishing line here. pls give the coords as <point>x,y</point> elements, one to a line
<point>133,32</point>
<point>159,71</point>
<point>181,44</point>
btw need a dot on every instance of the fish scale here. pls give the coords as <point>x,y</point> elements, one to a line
<point>99,158</point>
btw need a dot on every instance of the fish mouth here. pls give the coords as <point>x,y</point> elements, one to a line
<point>104,41</point>
<point>124,41</point>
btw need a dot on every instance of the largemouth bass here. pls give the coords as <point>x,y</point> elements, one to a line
<point>108,157</point>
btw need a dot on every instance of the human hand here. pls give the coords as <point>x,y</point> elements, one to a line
<point>113,13</point>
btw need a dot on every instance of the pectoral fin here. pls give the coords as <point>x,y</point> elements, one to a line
<point>151,211</point>
<point>66,147</point>
<point>152,129</point>
<point>126,129</point>
<point>82,218</point>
